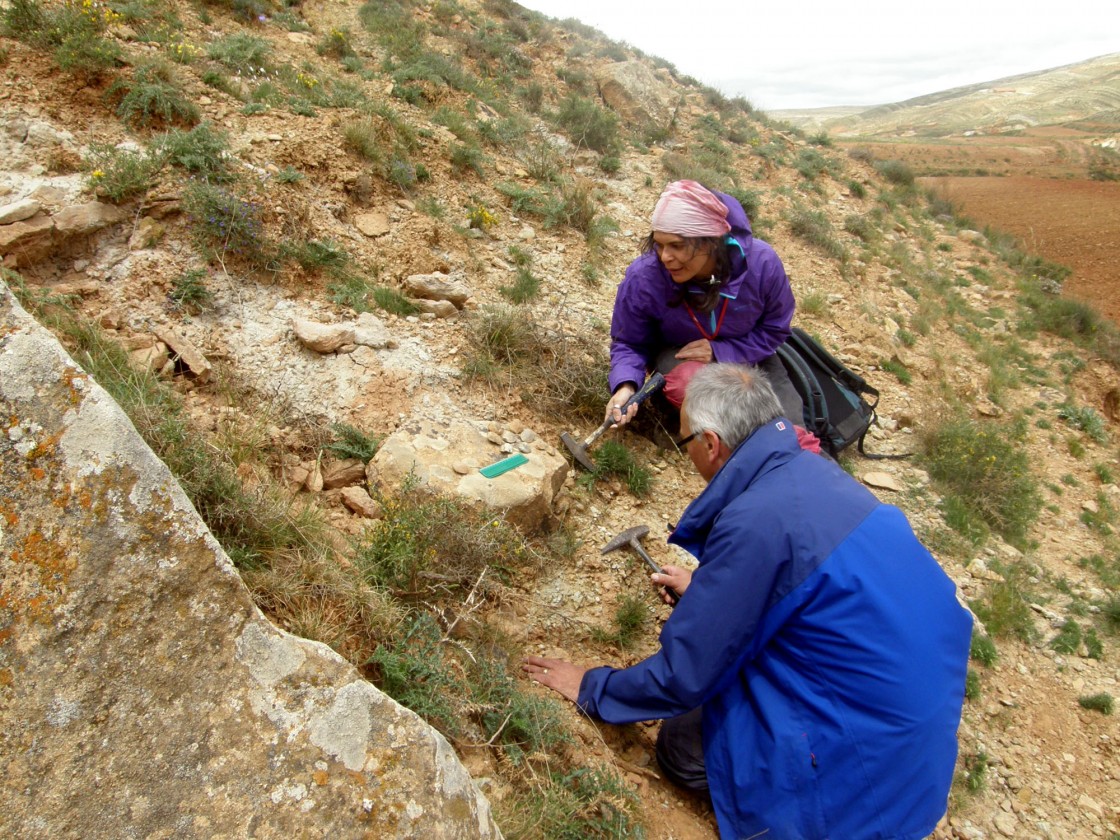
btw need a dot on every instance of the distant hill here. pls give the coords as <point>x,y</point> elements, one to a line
<point>1083,94</point>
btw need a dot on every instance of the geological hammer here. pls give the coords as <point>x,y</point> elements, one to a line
<point>579,448</point>
<point>632,537</point>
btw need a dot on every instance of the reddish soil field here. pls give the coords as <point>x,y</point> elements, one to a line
<point>1072,222</point>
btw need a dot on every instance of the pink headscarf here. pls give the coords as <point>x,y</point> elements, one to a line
<point>687,208</point>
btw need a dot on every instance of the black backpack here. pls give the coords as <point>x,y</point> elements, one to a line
<point>838,404</point>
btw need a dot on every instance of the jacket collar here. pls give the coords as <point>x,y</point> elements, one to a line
<point>767,448</point>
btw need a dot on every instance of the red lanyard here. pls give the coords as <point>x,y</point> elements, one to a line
<point>718,323</point>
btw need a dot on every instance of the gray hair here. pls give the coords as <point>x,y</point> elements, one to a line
<point>731,400</point>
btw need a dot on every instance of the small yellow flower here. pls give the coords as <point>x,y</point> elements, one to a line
<point>97,174</point>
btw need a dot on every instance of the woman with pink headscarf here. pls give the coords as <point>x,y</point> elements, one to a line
<point>703,290</point>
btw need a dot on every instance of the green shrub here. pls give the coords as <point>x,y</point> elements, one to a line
<point>351,442</point>
<point>116,173</point>
<point>227,225</point>
<point>365,137</point>
<point>896,172</point>
<point>814,227</point>
<point>1086,419</point>
<point>976,771</point>
<point>859,225</point>
<point>336,43</point>
<point>983,650</point>
<point>317,254</point>
<point>426,543</point>
<point>289,175</point>
<point>750,199</point>
<point>811,164</point>
<point>1094,648</point>
<point>1102,702</point>
<point>1005,608</point>
<point>588,125</point>
<point>189,289</point>
<point>153,96</point>
<point>971,685</point>
<point>27,21</point>
<point>526,287</point>
<point>897,368</point>
<point>202,151</point>
<point>986,468</point>
<point>241,52</point>
<point>467,158</point>
<point>613,459</point>
<point>1068,639</point>
<point>393,302</point>
<point>584,803</point>
<point>631,619</point>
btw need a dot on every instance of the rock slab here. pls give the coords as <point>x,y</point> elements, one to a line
<point>142,694</point>
<point>447,456</point>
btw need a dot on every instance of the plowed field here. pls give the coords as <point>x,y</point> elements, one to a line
<point>1072,222</point>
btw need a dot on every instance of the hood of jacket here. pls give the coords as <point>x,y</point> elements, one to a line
<point>767,448</point>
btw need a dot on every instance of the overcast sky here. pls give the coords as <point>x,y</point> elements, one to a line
<point>810,53</point>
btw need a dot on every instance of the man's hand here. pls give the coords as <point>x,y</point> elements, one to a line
<point>671,577</point>
<point>699,350</point>
<point>562,677</point>
<point>614,405</point>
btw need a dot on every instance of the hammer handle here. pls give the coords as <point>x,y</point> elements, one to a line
<point>652,385</point>
<point>637,546</point>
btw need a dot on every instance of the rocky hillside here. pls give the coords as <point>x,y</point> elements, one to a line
<point>1085,95</point>
<point>212,186</point>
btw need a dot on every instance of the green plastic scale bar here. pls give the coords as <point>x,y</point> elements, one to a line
<point>504,465</point>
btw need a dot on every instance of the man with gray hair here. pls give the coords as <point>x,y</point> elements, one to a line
<point>813,671</point>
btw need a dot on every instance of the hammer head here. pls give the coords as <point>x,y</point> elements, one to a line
<point>579,452</point>
<point>630,535</point>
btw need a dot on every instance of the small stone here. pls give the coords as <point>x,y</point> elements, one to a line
<point>1006,823</point>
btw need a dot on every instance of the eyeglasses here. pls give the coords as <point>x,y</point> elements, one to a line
<point>686,440</point>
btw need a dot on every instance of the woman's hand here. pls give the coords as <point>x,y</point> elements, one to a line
<point>562,677</point>
<point>614,405</point>
<point>699,350</point>
<point>671,577</point>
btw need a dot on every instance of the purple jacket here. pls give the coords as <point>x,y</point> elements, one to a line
<point>759,308</point>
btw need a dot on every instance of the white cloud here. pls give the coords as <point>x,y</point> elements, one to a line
<point>813,53</point>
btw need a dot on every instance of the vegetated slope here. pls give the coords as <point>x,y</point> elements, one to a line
<point>365,143</point>
<point>1085,92</point>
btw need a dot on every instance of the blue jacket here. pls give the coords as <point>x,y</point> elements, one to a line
<point>759,308</point>
<point>826,646</point>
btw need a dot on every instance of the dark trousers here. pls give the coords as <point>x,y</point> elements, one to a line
<point>680,751</point>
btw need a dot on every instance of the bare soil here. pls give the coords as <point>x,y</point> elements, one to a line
<point>1075,223</point>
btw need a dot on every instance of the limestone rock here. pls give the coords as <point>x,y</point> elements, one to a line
<point>437,286</point>
<point>439,308</point>
<point>882,480</point>
<point>368,331</point>
<point>372,224</point>
<point>435,454</point>
<point>19,211</point>
<point>190,356</point>
<point>343,473</point>
<point>141,691</point>
<point>360,502</point>
<point>27,238</point>
<point>82,219</point>
<point>633,91</point>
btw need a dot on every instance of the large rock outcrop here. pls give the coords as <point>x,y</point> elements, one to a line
<point>142,694</point>
<point>635,92</point>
